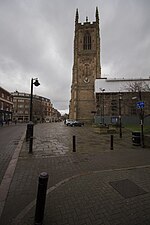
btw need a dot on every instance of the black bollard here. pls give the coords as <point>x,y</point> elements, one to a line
<point>111,142</point>
<point>30,145</point>
<point>74,143</point>
<point>41,197</point>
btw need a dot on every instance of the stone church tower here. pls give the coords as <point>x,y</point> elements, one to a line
<point>86,69</point>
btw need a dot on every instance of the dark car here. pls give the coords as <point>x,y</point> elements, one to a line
<point>77,124</point>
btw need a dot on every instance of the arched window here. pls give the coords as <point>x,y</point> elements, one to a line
<point>87,42</point>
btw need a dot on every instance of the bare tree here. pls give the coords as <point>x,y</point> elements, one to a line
<point>138,86</point>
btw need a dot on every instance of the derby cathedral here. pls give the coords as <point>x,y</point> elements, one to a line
<point>86,68</point>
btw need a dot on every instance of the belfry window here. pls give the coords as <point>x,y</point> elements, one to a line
<point>87,42</point>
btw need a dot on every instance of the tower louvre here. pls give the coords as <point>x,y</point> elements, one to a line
<point>86,68</point>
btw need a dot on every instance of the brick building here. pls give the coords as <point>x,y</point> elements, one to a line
<point>6,105</point>
<point>113,95</point>
<point>43,110</point>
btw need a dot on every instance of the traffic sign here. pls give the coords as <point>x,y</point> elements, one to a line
<point>140,105</point>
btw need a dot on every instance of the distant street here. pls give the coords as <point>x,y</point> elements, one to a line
<point>9,138</point>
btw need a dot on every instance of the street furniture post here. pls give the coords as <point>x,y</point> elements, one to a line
<point>74,143</point>
<point>41,197</point>
<point>111,142</point>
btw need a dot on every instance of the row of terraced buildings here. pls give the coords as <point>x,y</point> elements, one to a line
<point>16,107</point>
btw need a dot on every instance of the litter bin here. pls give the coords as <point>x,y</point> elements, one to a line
<point>29,131</point>
<point>136,138</point>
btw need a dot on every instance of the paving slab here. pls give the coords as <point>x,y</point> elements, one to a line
<point>79,190</point>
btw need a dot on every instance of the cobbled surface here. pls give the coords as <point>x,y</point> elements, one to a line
<point>79,192</point>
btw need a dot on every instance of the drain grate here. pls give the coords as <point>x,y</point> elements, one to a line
<point>127,188</point>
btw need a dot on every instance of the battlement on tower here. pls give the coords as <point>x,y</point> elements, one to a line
<point>86,24</point>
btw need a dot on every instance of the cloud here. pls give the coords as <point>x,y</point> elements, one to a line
<point>125,38</point>
<point>37,41</point>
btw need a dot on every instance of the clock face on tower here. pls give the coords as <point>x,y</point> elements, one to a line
<point>86,80</point>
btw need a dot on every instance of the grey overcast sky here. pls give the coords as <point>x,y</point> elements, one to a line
<point>36,40</point>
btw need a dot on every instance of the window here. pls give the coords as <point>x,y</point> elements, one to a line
<point>2,105</point>
<point>20,111</point>
<point>20,106</point>
<point>114,106</point>
<point>87,41</point>
<point>133,110</point>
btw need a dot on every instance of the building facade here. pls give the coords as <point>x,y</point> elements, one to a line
<point>42,111</point>
<point>86,69</point>
<point>6,105</point>
<point>122,97</point>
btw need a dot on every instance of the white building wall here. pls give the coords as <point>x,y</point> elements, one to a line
<point>116,85</point>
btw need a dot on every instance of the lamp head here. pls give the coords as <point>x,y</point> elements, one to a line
<point>134,97</point>
<point>36,83</point>
<point>102,89</point>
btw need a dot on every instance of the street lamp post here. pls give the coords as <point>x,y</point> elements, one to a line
<point>29,132</point>
<point>103,103</point>
<point>120,121</point>
<point>141,121</point>
<point>103,106</point>
<point>36,83</point>
<point>140,106</point>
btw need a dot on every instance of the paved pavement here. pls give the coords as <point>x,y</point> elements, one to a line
<point>9,139</point>
<point>80,188</point>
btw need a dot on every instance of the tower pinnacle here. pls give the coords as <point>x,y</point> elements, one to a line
<point>77,16</point>
<point>97,15</point>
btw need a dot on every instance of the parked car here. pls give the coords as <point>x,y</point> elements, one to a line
<point>76,123</point>
<point>69,122</point>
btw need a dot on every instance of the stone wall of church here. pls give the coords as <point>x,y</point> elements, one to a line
<point>86,69</point>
